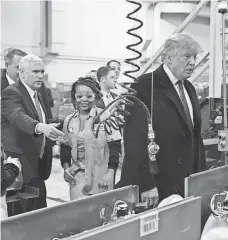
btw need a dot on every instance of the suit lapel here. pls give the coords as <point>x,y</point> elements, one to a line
<point>27,98</point>
<point>4,81</point>
<point>113,95</point>
<point>195,104</point>
<point>43,107</point>
<point>171,93</point>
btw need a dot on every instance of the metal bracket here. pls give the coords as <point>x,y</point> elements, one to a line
<point>26,192</point>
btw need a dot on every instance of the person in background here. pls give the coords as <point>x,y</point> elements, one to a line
<point>107,79</point>
<point>92,74</point>
<point>26,132</point>
<point>94,160</point>
<point>116,66</point>
<point>176,121</point>
<point>10,168</point>
<point>10,74</point>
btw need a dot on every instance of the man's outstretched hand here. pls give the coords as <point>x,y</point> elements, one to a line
<point>49,130</point>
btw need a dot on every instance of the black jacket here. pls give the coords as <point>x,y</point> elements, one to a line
<point>176,158</point>
<point>4,81</point>
<point>47,100</point>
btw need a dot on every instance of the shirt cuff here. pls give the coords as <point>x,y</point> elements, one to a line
<point>36,132</point>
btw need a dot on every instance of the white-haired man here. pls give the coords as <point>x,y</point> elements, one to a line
<point>26,132</point>
<point>176,122</point>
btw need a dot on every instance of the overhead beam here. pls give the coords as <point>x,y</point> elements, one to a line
<point>182,26</point>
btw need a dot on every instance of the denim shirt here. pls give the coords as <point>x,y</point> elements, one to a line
<point>96,149</point>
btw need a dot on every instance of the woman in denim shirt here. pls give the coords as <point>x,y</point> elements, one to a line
<point>93,162</point>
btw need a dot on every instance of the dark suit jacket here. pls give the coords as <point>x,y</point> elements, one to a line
<point>176,159</point>
<point>49,97</point>
<point>46,101</point>
<point>19,119</point>
<point>4,81</point>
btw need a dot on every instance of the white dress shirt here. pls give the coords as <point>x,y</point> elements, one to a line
<point>31,94</point>
<point>10,81</point>
<point>107,97</point>
<point>174,80</point>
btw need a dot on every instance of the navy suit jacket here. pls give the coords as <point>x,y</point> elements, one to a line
<point>18,121</point>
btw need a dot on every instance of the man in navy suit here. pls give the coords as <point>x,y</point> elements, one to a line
<point>10,74</point>
<point>26,132</point>
<point>176,121</point>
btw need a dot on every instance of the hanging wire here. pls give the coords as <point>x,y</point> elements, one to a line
<point>116,118</point>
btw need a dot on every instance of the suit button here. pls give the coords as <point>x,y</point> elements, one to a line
<point>183,134</point>
<point>179,162</point>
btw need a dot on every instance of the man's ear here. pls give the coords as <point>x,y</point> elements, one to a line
<point>22,73</point>
<point>103,79</point>
<point>169,59</point>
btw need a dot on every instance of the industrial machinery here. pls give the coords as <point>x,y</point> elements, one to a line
<point>206,185</point>
<point>118,214</point>
<point>215,109</point>
<point>211,186</point>
<point>110,215</point>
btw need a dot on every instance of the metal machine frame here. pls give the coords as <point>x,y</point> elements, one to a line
<point>205,185</point>
<point>83,217</point>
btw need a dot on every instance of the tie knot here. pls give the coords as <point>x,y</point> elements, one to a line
<point>180,83</point>
<point>35,94</point>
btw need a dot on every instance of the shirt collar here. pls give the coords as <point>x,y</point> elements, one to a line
<point>106,94</point>
<point>30,91</point>
<point>172,78</point>
<point>9,79</point>
<point>92,113</point>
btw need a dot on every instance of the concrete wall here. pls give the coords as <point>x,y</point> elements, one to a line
<point>20,25</point>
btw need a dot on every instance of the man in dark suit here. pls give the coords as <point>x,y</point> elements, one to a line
<point>176,121</point>
<point>10,74</point>
<point>26,132</point>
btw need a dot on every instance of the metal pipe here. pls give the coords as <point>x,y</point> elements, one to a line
<point>224,72</point>
<point>222,8</point>
<point>224,80</point>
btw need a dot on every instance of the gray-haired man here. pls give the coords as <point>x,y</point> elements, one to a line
<point>26,131</point>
